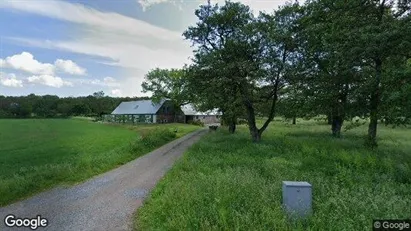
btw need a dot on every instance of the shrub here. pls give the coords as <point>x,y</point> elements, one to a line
<point>150,139</point>
<point>197,123</point>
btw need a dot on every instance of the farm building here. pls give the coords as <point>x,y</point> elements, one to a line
<point>145,111</point>
<point>208,117</point>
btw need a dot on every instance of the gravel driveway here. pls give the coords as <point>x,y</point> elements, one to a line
<point>105,202</point>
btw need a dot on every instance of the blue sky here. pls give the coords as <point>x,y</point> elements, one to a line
<point>77,47</point>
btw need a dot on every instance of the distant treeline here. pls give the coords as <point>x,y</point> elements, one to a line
<point>52,106</point>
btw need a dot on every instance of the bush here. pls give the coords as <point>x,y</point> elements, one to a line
<point>152,139</point>
<point>197,123</point>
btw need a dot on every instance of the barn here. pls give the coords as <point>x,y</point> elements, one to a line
<point>145,111</point>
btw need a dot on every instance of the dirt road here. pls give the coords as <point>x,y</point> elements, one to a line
<point>105,202</point>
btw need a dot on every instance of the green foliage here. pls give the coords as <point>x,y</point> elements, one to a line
<point>242,122</point>
<point>354,124</point>
<point>226,182</point>
<point>167,84</point>
<point>197,123</point>
<point>337,58</point>
<point>154,138</point>
<point>241,61</point>
<point>51,106</point>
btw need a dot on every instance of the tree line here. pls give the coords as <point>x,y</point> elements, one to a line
<point>338,58</point>
<point>52,106</point>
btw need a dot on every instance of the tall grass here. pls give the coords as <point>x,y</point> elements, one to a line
<point>226,182</point>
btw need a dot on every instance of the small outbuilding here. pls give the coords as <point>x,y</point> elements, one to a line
<point>208,117</point>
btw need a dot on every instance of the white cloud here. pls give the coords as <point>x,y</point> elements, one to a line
<point>26,62</point>
<point>81,14</point>
<point>107,82</point>
<point>69,66</point>
<point>267,6</point>
<point>116,92</point>
<point>147,3</point>
<point>10,80</point>
<point>255,5</point>
<point>132,44</point>
<point>49,80</point>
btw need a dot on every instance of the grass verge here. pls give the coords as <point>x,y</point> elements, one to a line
<point>225,182</point>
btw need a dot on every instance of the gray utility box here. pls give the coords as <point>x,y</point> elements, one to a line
<point>297,198</point>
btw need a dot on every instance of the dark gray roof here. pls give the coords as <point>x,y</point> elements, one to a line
<point>137,107</point>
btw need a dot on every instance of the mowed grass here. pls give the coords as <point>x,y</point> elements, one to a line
<point>37,154</point>
<point>226,182</point>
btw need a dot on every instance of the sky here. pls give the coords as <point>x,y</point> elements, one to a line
<point>77,47</point>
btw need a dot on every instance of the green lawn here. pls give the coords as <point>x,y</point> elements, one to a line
<point>225,182</point>
<point>36,154</point>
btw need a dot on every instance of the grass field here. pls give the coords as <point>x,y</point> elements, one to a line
<point>226,182</point>
<point>36,154</point>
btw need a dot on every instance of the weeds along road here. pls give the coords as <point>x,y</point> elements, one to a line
<point>105,202</point>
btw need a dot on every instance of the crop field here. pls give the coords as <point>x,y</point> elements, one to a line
<point>226,182</point>
<point>37,154</point>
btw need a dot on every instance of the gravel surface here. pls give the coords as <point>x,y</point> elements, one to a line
<point>105,202</point>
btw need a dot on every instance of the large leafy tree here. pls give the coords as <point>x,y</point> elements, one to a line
<point>376,33</point>
<point>167,83</point>
<point>210,95</point>
<point>249,56</point>
<point>349,52</point>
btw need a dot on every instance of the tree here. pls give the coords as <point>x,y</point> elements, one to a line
<point>81,109</point>
<point>167,84</point>
<point>210,96</point>
<point>98,95</point>
<point>374,33</point>
<point>249,56</point>
<point>348,49</point>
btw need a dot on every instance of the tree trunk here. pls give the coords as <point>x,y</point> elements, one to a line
<point>329,119</point>
<point>231,128</point>
<point>254,131</point>
<point>255,135</point>
<point>338,112</point>
<point>336,126</point>
<point>232,122</point>
<point>374,102</point>
<point>294,120</point>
